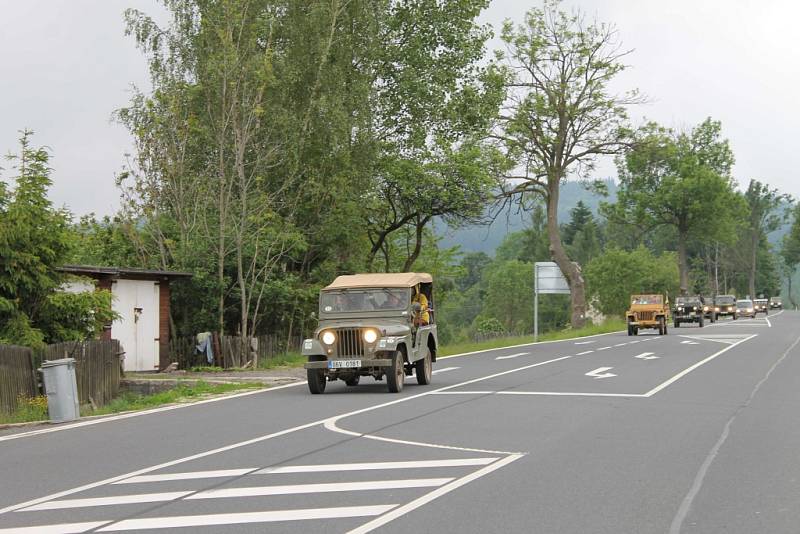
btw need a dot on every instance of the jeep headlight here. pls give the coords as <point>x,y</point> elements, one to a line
<point>695,308</point>
<point>328,337</point>
<point>705,308</point>
<point>370,335</point>
<point>716,308</point>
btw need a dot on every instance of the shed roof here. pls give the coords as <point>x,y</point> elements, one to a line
<point>380,280</point>
<point>124,272</point>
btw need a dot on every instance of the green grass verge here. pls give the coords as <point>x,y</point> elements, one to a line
<point>181,393</point>
<point>28,409</point>
<point>611,325</point>
<point>287,360</point>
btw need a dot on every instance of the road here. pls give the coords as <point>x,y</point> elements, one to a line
<point>695,432</point>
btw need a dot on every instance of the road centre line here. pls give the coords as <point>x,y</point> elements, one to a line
<point>584,352</point>
<point>517,355</point>
<point>603,348</point>
<point>246,517</point>
<point>435,494</point>
<point>445,370</point>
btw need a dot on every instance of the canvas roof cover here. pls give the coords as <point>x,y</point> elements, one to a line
<point>380,280</point>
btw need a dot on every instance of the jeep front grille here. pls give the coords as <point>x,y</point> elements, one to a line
<point>350,343</point>
<point>645,316</point>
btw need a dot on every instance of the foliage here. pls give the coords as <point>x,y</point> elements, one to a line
<point>561,113</point>
<point>34,243</point>
<point>617,274</point>
<point>681,182</point>
<point>28,409</point>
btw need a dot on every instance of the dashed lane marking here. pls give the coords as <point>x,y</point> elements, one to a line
<point>445,370</point>
<point>517,355</point>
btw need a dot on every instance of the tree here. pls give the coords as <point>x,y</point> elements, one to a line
<point>581,236</point>
<point>34,243</point>
<point>616,274</point>
<point>790,251</point>
<point>561,113</point>
<point>680,182</point>
<point>763,204</point>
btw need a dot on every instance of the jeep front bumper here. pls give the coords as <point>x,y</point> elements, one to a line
<point>364,363</point>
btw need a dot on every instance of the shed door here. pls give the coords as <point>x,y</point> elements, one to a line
<point>137,303</point>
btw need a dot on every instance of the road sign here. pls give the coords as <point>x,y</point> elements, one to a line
<point>550,279</point>
<point>547,279</point>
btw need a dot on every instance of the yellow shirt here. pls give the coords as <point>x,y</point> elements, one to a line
<point>424,316</point>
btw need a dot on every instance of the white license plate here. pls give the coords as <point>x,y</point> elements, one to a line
<point>343,364</point>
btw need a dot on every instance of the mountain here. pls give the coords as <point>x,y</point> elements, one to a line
<point>486,238</point>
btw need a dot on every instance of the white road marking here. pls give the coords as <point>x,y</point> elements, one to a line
<point>63,528</point>
<point>445,369</point>
<point>633,342</point>
<point>620,344</point>
<point>566,394</point>
<point>329,487</point>
<point>603,348</point>
<point>107,501</point>
<point>600,372</point>
<point>695,366</point>
<point>584,352</point>
<point>415,464</point>
<point>247,517</point>
<point>687,342</point>
<point>646,356</point>
<point>108,419</point>
<point>728,339</point>
<point>188,476</point>
<point>768,323</point>
<point>583,342</point>
<point>435,494</point>
<point>517,355</point>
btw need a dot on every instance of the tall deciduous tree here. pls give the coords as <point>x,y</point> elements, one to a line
<point>764,205</point>
<point>561,113</point>
<point>679,182</point>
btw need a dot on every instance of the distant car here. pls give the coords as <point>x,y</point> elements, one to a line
<point>775,303</point>
<point>708,309</point>
<point>745,308</point>
<point>688,310</point>
<point>725,305</point>
<point>761,306</point>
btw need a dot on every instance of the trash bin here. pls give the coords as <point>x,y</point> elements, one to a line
<point>61,388</point>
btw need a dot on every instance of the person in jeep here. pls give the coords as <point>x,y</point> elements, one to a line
<point>378,324</point>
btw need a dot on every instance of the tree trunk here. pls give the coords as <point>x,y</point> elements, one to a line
<point>753,256</point>
<point>791,297</point>
<point>571,271</point>
<point>683,263</point>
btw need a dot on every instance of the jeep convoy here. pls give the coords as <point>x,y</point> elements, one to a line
<point>380,325</point>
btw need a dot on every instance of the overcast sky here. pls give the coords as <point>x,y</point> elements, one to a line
<point>66,65</point>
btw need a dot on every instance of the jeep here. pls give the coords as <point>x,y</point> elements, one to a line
<point>647,311</point>
<point>688,310</point>
<point>378,325</point>
<point>725,305</point>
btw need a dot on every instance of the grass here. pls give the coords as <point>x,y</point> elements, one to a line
<point>611,325</point>
<point>293,359</point>
<point>181,393</point>
<point>35,409</point>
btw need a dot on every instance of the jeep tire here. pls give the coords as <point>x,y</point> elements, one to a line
<point>316,377</point>
<point>396,374</point>
<point>424,369</point>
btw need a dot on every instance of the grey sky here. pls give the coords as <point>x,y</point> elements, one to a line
<point>66,65</point>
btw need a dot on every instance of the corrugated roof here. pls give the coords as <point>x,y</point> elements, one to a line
<point>120,271</point>
<point>380,280</point>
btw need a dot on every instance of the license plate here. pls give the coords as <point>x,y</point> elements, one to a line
<point>343,364</point>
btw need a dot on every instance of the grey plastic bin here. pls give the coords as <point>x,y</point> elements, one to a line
<point>61,388</point>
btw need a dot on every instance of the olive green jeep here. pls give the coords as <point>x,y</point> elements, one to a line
<point>379,325</point>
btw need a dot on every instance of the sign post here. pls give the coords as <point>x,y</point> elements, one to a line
<point>547,279</point>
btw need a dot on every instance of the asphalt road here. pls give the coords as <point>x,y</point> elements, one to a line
<point>697,432</point>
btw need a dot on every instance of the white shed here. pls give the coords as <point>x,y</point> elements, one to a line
<point>141,297</point>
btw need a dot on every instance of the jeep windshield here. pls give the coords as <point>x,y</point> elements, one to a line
<point>363,300</point>
<point>646,299</point>
<point>687,301</point>
<point>726,300</point>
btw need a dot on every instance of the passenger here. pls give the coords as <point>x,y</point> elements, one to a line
<point>423,317</point>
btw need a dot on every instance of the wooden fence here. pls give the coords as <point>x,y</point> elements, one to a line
<point>232,351</point>
<point>17,376</point>
<point>98,369</point>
